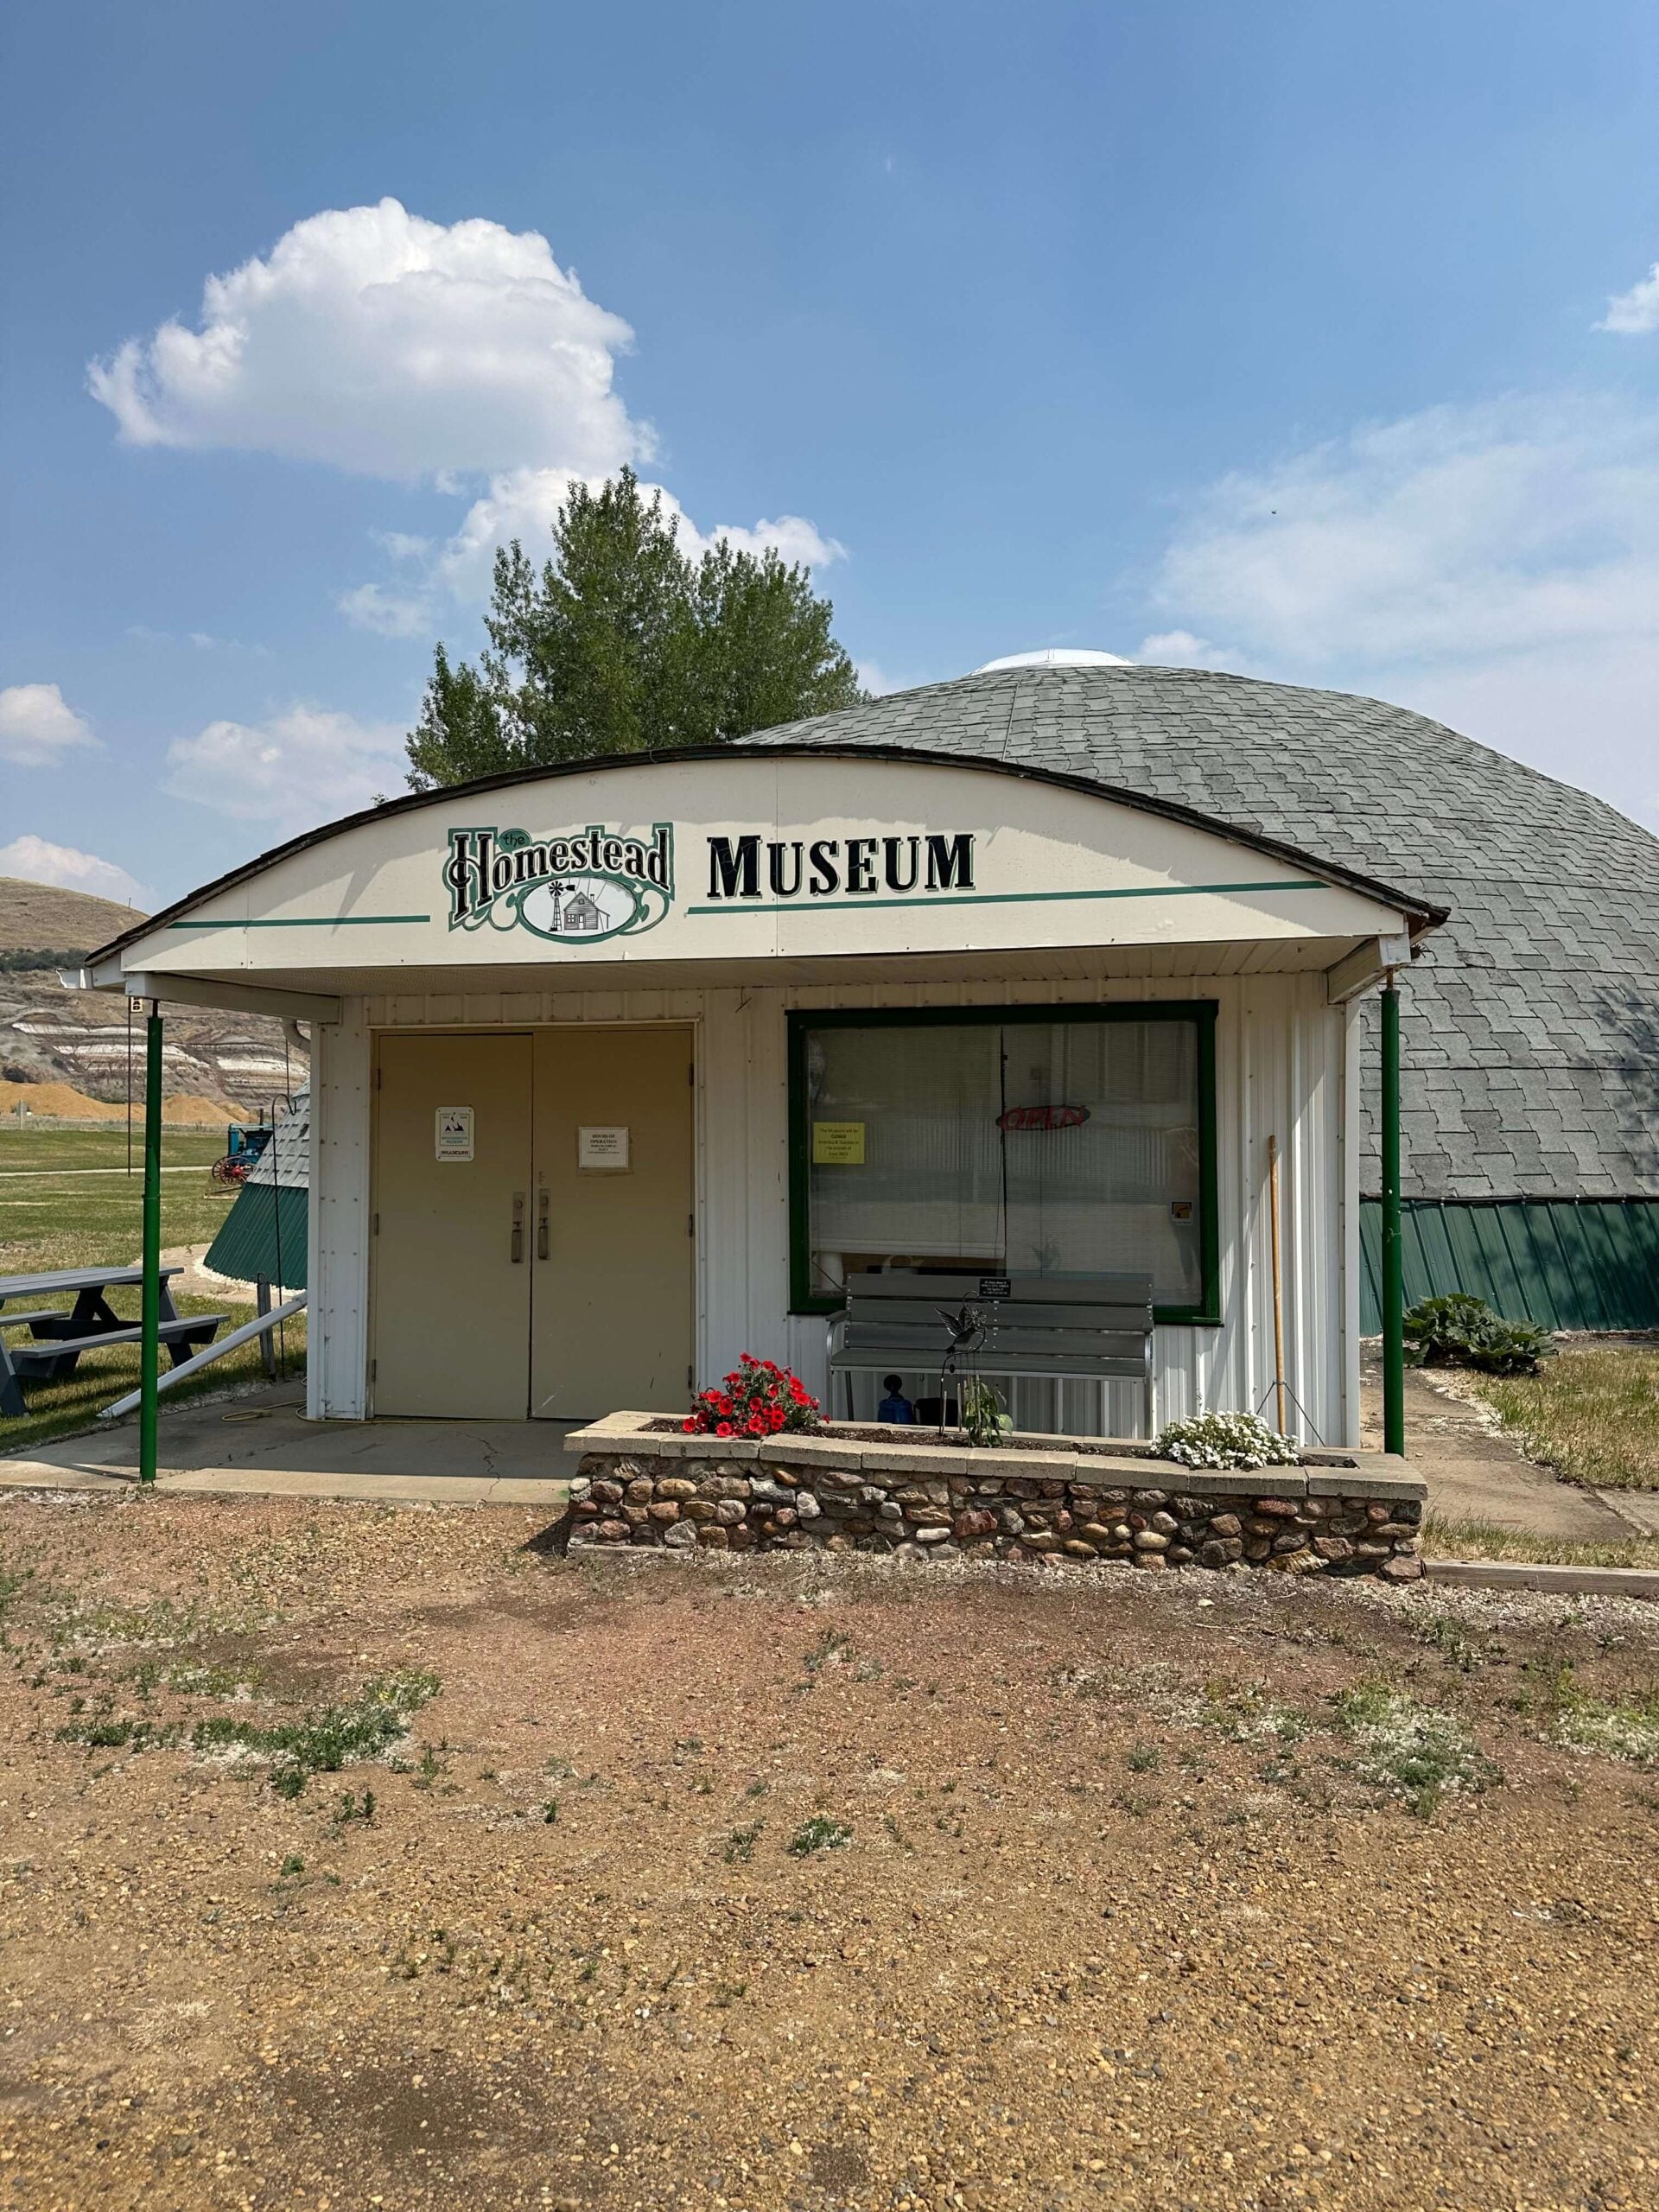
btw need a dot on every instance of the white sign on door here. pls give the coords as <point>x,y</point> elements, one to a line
<point>604,1150</point>
<point>452,1133</point>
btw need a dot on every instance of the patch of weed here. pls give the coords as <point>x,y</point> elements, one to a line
<point>1619,1728</point>
<point>819,1833</point>
<point>105,1732</point>
<point>739,1844</point>
<point>831,1649</point>
<point>325,1741</point>
<point>1450,1636</point>
<point>1415,1752</point>
<point>1248,1717</point>
<point>1145,1759</point>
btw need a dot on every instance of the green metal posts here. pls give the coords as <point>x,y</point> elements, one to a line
<point>1394,1288</point>
<point>150,1346</point>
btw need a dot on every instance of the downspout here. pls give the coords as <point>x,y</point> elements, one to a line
<point>1394,1297</point>
<point>150,1316</point>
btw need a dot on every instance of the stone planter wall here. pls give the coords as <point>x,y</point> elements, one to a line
<point>636,1485</point>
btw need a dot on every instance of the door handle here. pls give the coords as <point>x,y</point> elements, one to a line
<point>541,1223</point>
<point>517,1227</point>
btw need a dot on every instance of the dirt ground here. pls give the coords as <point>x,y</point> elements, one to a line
<point>805,1884</point>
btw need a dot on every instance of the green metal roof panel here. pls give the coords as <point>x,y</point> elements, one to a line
<point>265,1233</point>
<point>1593,1264</point>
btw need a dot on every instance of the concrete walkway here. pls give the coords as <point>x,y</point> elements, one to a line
<point>1477,1472</point>
<point>260,1445</point>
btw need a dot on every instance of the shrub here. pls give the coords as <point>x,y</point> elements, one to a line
<point>1463,1332</point>
<point>1220,1441</point>
<point>757,1398</point>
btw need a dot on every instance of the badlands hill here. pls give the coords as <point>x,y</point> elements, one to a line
<point>39,918</point>
<point>71,1047</point>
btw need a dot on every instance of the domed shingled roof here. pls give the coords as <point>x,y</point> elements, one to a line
<point>1530,1023</point>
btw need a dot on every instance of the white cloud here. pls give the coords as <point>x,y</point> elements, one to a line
<point>1633,313</point>
<point>1180,649</point>
<point>36,727</point>
<point>384,344</point>
<point>304,766</point>
<point>460,355</point>
<point>1495,565</point>
<point>401,545</point>
<point>37,861</point>
<point>388,613</point>
<point>203,641</point>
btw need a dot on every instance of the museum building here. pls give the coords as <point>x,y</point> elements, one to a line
<point>625,1067</point>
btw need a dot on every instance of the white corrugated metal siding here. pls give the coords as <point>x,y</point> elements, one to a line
<point>1284,1067</point>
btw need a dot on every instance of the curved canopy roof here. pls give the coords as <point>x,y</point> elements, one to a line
<point>696,864</point>
<point>1532,1030</point>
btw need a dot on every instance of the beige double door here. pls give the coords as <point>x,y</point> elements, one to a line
<point>533,1216</point>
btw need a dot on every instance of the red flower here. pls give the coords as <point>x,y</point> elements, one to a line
<point>689,1425</point>
<point>722,1428</point>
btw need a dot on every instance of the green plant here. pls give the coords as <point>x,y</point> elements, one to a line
<point>1459,1331</point>
<point>985,1420</point>
<point>1414,1751</point>
<point>819,1833</point>
<point>1620,1727</point>
<point>1222,1441</point>
<point>739,1844</point>
<point>324,1742</point>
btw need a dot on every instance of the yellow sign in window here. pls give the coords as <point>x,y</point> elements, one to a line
<point>837,1144</point>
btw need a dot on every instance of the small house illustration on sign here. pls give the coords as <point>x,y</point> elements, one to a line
<point>581,915</point>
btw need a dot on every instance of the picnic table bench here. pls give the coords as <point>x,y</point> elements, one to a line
<point>57,1338</point>
<point>1054,1328</point>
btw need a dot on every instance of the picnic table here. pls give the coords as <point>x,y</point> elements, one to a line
<point>58,1338</point>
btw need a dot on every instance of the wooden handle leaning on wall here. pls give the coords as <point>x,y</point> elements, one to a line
<point>1278,1284</point>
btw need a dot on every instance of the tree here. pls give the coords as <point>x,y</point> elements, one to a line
<point>621,644</point>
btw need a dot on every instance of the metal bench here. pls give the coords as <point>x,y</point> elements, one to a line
<point>1052,1328</point>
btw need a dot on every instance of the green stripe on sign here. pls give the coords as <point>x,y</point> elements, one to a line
<point>831,900</point>
<point>306,922</point>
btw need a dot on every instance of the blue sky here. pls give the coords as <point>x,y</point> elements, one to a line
<point>1275,337</point>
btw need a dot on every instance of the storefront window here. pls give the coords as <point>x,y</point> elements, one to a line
<point>1006,1143</point>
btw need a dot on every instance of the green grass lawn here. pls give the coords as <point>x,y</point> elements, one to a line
<point>1445,1538</point>
<point>55,1214</point>
<point>1592,1415</point>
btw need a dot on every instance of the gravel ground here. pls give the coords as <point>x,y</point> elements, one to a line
<point>1106,1890</point>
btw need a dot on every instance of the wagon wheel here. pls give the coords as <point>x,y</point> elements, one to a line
<point>228,1173</point>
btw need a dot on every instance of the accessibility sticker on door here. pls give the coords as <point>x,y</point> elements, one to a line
<point>454,1132</point>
